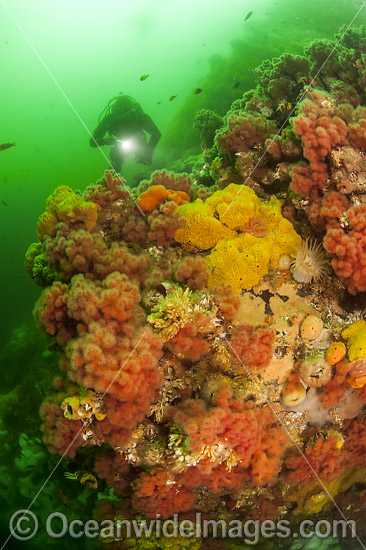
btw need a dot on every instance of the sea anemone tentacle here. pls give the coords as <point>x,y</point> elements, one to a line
<point>309,262</point>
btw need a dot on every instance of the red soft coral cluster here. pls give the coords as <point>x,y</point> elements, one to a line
<point>61,436</point>
<point>232,426</point>
<point>323,127</point>
<point>193,271</point>
<point>325,212</point>
<point>110,188</point>
<point>243,131</point>
<point>253,346</point>
<point>332,392</point>
<point>347,248</point>
<point>73,252</point>
<point>113,353</point>
<point>51,315</point>
<point>157,492</point>
<point>188,343</point>
<point>355,444</point>
<point>228,301</point>
<point>164,222</point>
<point>217,479</point>
<point>110,333</point>
<point>322,459</point>
<point>114,468</point>
<point>320,129</point>
<point>333,139</point>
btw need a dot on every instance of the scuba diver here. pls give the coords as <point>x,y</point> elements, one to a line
<point>126,123</point>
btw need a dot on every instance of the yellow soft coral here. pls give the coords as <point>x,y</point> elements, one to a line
<point>65,206</point>
<point>355,335</point>
<point>246,236</point>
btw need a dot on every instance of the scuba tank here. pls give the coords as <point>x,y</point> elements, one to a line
<point>116,103</point>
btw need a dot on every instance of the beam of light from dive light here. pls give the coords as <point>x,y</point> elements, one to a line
<point>127,145</point>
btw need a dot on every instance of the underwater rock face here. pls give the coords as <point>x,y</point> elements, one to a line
<point>208,379</point>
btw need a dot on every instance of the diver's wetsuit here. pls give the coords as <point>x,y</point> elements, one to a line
<point>126,120</point>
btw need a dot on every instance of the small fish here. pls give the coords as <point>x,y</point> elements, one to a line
<point>159,102</point>
<point>6,42</point>
<point>4,203</point>
<point>283,22</point>
<point>249,14</point>
<point>197,91</point>
<point>203,44</point>
<point>172,97</point>
<point>236,85</point>
<point>4,146</point>
<point>144,77</point>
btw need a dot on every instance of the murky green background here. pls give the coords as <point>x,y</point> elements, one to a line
<point>62,60</point>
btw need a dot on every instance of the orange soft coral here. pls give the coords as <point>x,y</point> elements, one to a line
<point>61,435</point>
<point>232,430</point>
<point>347,249</point>
<point>228,301</point>
<point>218,479</point>
<point>323,459</point>
<point>114,468</point>
<point>193,271</point>
<point>189,344</point>
<point>164,222</point>
<point>355,443</point>
<point>157,492</point>
<point>332,392</point>
<point>108,330</point>
<point>111,187</point>
<point>253,346</point>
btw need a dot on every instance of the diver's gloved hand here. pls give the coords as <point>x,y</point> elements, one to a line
<point>108,141</point>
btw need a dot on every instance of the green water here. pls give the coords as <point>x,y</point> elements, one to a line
<point>62,60</point>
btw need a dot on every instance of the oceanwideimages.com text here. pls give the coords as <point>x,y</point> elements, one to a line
<point>24,525</point>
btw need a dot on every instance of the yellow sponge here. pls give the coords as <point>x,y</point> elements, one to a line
<point>355,335</point>
<point>246,237</point>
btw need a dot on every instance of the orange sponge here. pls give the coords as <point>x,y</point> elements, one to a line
<point>157,194</point>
